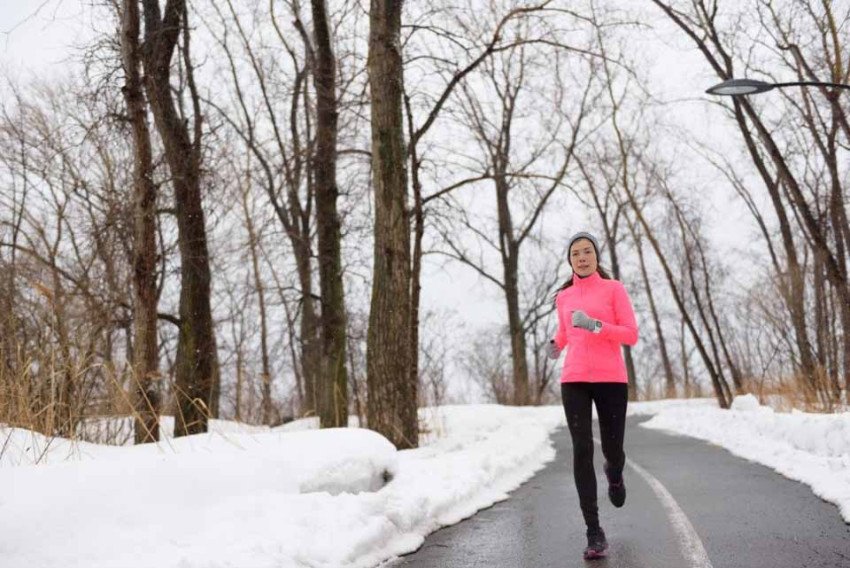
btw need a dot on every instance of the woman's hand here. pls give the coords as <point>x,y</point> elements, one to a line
<point>552,350</point>
<point>582,320</point>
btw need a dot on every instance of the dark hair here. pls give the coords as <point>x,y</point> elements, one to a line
<point>602,273</point>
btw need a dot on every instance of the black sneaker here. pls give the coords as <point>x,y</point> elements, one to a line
<point>596,544</point>
<point>616,490</point>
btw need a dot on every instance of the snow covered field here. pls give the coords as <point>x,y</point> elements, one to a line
<point>251,497</point>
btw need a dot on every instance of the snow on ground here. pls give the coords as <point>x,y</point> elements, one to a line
<point>264,498</point>
<point>24,447</point>
<point>291,496</point>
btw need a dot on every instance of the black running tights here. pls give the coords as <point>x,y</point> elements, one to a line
<point>611,400</point>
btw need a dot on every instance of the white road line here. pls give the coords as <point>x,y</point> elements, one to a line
<point>689,541</point>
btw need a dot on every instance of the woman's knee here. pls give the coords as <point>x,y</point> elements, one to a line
<point>583,450</point>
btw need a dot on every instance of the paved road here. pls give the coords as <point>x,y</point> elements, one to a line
<point>739,514</point>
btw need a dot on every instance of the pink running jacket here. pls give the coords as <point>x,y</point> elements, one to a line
<point>595,357</point>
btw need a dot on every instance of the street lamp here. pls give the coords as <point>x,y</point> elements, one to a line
<point>737,87</point>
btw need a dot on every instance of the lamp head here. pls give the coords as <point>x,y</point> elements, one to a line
<point>737,87</point>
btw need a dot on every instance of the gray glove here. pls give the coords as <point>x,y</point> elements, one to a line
<point>552,350</point>
<point>581,319</point>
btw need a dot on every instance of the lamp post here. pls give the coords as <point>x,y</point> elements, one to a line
<point>738,87</point>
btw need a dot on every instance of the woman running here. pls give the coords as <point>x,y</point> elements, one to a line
<point>595,317</point>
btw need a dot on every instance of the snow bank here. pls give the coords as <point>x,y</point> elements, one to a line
<point>341,498</point>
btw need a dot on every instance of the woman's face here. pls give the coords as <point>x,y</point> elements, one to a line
<point>583,258</point>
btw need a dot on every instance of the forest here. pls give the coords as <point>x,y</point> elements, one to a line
<point>234,209</point>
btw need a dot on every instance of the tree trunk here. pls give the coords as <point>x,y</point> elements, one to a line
<point>309,329</point>
<point>669,376</point>
<point>416,269</point>
<point>145,296</point>
<point>266,377</point>
<point>333,401</point>
<point>517,333</point>
<point>611,239</point>
<point>392,396</point>
<point>510,265</point>
<point>841,231</point>
<point>686,369</point>
<point>238,341</point>
<point>197,364</point>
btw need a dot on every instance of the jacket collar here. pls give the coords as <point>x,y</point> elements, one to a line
<point>587,280</point>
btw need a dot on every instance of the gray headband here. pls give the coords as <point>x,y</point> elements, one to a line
<point>583,235</point>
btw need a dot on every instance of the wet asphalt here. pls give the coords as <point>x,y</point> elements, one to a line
<point>744,514</point>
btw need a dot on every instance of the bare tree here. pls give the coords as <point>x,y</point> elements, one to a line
<point>254,238</point>
<point>792,194</point>
<point>145,296</point>
<point>523,177</point>
<point>281,156</point>
<point>197,377</point>
<point>487,364</point>
<point>333,405</point>
<point>72,286</point>
<point>392,396</point>
<point>479,47</point>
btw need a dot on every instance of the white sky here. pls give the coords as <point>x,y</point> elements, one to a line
<point>35,35</point>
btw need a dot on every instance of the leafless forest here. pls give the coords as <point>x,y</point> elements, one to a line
<point>226,208</point>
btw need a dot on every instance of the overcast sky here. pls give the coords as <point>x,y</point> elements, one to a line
<point>36,36</point>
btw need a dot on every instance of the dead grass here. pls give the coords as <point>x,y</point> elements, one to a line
<point>801,393</point>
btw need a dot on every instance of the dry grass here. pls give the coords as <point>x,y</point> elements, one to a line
<point>783,394</point>
<point>80,403</point>
<point>33,398</point>
<point>799,392</point>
